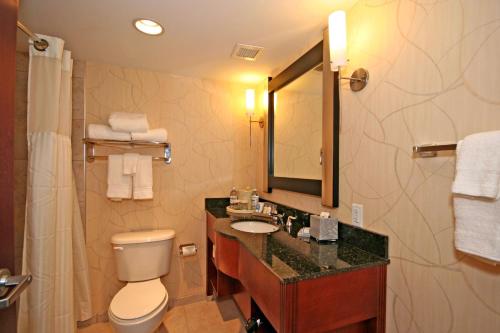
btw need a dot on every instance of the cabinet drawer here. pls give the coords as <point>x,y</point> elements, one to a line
<point>226,255</point>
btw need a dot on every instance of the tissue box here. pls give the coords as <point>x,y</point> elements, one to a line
<point>324,228</point>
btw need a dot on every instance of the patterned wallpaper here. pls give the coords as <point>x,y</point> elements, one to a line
<point>298,133</point>
<point>433,78</point>
<point>211,152</point>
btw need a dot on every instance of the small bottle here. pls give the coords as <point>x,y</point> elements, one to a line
<point>255,199</point>
<point>233,198</point>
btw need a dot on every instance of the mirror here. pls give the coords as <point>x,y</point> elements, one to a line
<point>297,126</point>
<point>303,127</point>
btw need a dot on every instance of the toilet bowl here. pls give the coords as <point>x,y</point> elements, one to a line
<point>141,259</point>
<point>138,307</point>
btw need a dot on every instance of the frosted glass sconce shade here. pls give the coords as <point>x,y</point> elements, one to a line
<point>338,39</point>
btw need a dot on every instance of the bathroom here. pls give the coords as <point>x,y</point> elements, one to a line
<point>431,81</point>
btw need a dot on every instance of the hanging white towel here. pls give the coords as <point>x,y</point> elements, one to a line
<point>128,122</point>
<point>130,163</point>
<point>143,178</point>
<point>477,226</point>
<point>157,134</point>
<point>476,195</point>
<point>119,185</point>
<point>478,166</point>
<point>103,132</point>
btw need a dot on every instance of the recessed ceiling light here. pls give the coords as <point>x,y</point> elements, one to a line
<point>148,27</point>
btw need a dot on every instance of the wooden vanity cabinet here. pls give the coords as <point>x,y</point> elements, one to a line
<point>346,302</point>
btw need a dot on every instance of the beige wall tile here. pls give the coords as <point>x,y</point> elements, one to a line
<point>21,94</point>
<point>78,97</point>
<point>20,139</point>
<point>79,68</point>
<point>76,139</point>
<point>78,169</point>
<point>20,167</point>
<point>22,61</point>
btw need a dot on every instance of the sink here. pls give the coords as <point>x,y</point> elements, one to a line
<point>254,227</point>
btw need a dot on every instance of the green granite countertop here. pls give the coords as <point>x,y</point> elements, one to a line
<point>292,259</point>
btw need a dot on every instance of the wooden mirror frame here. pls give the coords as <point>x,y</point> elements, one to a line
<point>328,186</point>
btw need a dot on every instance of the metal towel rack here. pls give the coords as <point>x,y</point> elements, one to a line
<point>91,156</point>
<point>431,150</point>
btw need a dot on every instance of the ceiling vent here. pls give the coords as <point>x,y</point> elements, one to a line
<point>247,52</point>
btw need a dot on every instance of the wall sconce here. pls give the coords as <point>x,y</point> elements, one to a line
<point>250,110</point>
<point>338,56</point>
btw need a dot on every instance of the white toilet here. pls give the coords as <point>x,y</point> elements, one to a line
<point>141,258</point>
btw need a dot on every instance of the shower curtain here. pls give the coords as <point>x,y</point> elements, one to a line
<point>54,247</point>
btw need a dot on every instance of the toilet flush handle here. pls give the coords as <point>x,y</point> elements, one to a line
<point>118,248</point>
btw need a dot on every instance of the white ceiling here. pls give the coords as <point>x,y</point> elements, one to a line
<point>199,38</point>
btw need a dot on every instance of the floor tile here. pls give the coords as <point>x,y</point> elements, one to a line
<point>200,317</point>
<point>97,328</point>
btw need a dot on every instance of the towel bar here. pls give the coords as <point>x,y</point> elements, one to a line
<point>430,150</point>
<point>91,143</point>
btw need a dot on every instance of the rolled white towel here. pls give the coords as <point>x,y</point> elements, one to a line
<point>103,132</point>
<point>128,122</point>
<point>157,134</point>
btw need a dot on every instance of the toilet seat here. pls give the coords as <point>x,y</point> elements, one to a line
<point>138,299</point>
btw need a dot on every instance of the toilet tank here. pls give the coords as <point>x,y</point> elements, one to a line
<point>142,255</point>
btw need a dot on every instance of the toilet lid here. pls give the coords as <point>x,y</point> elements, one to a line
<point>137,299</point>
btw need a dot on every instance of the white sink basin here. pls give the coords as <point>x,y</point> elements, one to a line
<point>255,227</point>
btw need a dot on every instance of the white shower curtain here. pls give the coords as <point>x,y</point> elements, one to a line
<point>54,247</point>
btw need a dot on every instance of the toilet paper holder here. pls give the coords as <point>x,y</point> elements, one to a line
<point>186,250</point>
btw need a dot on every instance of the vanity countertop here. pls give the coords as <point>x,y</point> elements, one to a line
<point>293,259</point>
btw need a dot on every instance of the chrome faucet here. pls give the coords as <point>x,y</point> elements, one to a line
<point>289,222</point>
<point>278,218</point>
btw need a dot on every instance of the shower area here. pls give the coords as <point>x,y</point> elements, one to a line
<point>49,196</point>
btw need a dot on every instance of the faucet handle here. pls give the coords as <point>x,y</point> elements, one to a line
<point>290,220</point>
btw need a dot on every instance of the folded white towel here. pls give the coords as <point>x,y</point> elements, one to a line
<point>119,185</point>
<point>478,166</point>
<point>103,132</point>
<point>130,163</point>
<point>143,178</point>
<point>128,122</point>
<point>477,226</point>
<point>157,134</point>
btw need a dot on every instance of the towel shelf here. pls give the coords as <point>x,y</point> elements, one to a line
<point>431,150</point>
<point>91,156</point>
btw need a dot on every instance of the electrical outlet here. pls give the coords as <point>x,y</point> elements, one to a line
<point>357,215</point>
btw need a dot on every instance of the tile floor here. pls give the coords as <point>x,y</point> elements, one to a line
<point>204,316</point>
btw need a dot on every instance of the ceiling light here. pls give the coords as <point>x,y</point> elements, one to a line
<point>148,27</point>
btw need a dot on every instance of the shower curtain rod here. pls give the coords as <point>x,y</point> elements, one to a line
<point>39,43</point>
